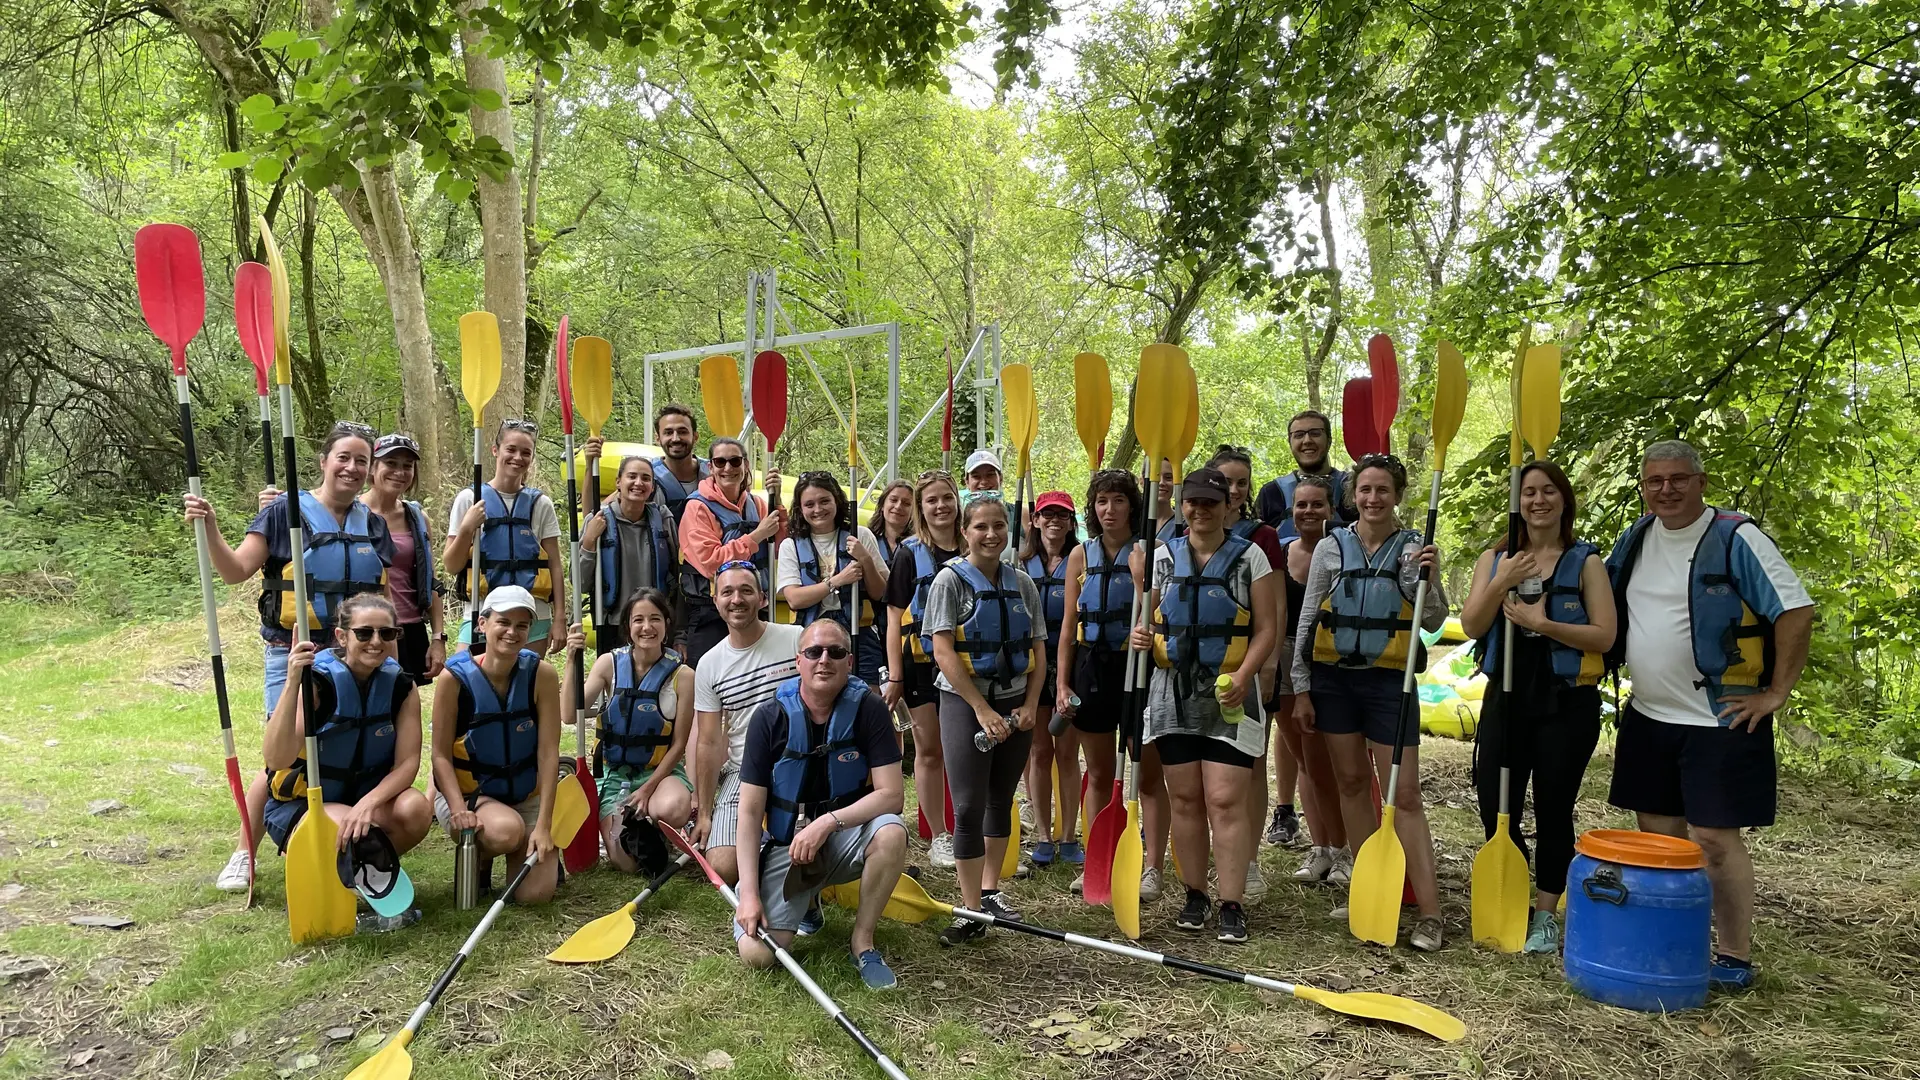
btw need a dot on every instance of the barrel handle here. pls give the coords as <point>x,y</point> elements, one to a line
<point>1604,885</point>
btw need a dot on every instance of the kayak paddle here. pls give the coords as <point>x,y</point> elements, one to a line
<point>604,937</point>
<point>1023,423</point>
<point>1356,418</point>
<point>1092,404</point>
<point>253,319</point>
<point>592,363</point>
<point>720,395</point>
<point>585,849</point>
<point>1189,431</point>
<point>946,425</point>
<point>479,381</point>
<point>770,398</point>
<point>1384,367</point>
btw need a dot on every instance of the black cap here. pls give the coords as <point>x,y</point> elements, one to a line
<point>1204,485</point>
<point>388,444</point>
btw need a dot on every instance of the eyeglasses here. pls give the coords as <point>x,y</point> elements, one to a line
<point>933,474</point>
<point>364,634</point>
<point>736,564</point>
<point>727,462</point>
<point>1307,433</point>
<point>527,426</point>
<point>831,652</point>
<point>1662,483</point>
<point>358,431</point>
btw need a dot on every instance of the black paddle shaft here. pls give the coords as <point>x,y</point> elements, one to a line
<point>266,437</point>
<point>219,663</point>
<point>290,458</point>
<point>573,535</point>
<point>473,559</point>
<point>1410,702</point>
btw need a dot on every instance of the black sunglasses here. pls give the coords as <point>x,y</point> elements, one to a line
<point>831,652</point>
<point>364,634</point>
<point>727,462</point>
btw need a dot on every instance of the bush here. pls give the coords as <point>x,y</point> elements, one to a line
<point>126,561</point>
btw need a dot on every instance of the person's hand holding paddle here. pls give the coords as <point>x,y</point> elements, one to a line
<point>267,496</point>
<point>540,842</point>
<point>1140,638</point>
<point>702,828</point>
<point>596,528</point>
<point>591,447</point>
<point>851,573</point>
<point>769,526</point>
<point>748,912</point>
<point>476,516</point>
<point>300,658</point>
<point>197,507</point>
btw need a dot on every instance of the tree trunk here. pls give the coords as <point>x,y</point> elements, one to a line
<point>503,237</point>
<point>1314,354</point>
<point>427,406</point>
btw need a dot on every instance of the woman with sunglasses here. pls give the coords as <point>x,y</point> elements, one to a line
<point>347,552</point>
<point>518,532</point>
<point>1049,547</point>
<point>1346,686</point>
<point>724,521</point>
<point>411,587</point>
<point>831,564</point>
<point>366,716</point>
<point>645,720</point>
<point>630,543</point>
<point>989,640</point>
<point>910,668</point>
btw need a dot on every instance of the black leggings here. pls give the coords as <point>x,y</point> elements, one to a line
<point>1554,748</point>
<point>981,784</point>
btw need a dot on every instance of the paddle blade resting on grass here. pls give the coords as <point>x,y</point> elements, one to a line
<point>318,905</point>
<point>1103,838</point>
<point>1128,856</point>
<point>604,937</point>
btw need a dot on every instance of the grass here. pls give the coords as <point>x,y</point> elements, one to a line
<point>201,987</point>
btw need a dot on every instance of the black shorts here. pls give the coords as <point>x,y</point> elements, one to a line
<point>1360,701</point>
<point>415,639</point>
<point>1187,749</point>
<point>920,689</point>
<point>1098,677</point>
<point>1715,777</point>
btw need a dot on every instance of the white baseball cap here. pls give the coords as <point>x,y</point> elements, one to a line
<point>507,598</point>
<point>983,457</point>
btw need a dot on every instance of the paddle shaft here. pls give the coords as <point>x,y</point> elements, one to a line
<point>1129,951</point>
<point>266,434</point>
<point>297,549</point>
<point>466,949</point>
<point>660,881</point>
<point>473,555</point>
<point>574,658</point>
<point>1407,688</point>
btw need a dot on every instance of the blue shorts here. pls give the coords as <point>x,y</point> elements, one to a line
<point>281,817</point>
<point>276,677</point>
<point>1354,701</point>
<point>840,860</point>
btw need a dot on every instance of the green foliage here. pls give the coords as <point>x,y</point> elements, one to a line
<point>123,563</point>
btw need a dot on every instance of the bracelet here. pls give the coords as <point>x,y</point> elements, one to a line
<point>836,820</point>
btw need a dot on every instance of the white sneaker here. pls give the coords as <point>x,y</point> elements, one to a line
<point>940,852</point>
<point>1256,885</point>
<point>1149,885</point>
<point>1341,873</point>
<point>1339,913</point>
<point>1079,884</point>
<point>234,877</point>
<point>1315,867</point>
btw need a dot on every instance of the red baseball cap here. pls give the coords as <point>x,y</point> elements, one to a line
<point>1054,500</point>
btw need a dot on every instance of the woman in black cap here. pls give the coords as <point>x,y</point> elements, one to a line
<point>410,584</point>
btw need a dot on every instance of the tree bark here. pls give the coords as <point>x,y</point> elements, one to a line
<point>312,387</point>
<point>1314,354</point>
<point>503,237</point>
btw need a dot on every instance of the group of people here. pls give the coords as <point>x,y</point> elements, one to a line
<point>767,677</point>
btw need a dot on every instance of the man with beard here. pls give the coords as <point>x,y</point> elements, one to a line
<point>1309,435</point>
<point>679,473</point>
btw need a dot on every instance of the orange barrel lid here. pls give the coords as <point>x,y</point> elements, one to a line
<point>1651,850</point>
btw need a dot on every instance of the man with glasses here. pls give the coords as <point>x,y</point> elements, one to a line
<point>1309,435</point>
<point>679,472</point>
<point>1714,628</point>
<point>821,771</point>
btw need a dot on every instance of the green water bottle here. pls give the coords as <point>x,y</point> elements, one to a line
<point>1235,714</point>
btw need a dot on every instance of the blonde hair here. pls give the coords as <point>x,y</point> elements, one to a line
<point>921,530</point>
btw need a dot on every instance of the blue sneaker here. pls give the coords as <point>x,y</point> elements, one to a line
<point>1070,851</point>
<point>812,922</point>
<point>874,971</point>
<point>1043,852</point>
<point>1728,973</point>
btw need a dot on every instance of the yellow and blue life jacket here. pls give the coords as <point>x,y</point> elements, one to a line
<point>1200,630</point>
<point>672,489</point>
<point>924,569</point>
<point>995,641</point>
<point>634,732</point>
<point>340,561</point>
<point>734,524</point>
<point>357,742</point>
<point>1053,596</point>
<point>611,591</point>
<point>1286,485</point>
<point>1364,619</point>
<point>848,777</point>
<point>806,557</point>
<point>496,744</point>
<point>1563,605</point>
<point>1242,528</point>
<point>1106,597</point>
<point>510,553</point>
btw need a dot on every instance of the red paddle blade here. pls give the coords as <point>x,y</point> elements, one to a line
<point>173,287</point>
<point>585,849</point>
<point>566,387</point>
<point>770,395</point>
<point>1103,838</point>
<point>1356,418</point>
<point>253,318</point>
<point>926,830</point>
<point>946,426</point>
<point>1384,366</point>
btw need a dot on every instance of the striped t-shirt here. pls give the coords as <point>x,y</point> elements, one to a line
<point>733,681</point>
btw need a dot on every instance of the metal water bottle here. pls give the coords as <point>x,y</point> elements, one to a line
<point>1529,591</point>
<point>466,872</point>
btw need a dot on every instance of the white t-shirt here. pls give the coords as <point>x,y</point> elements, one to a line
<point>733,682</point>
<point>1200,715</point>
<point>1660,629</point>
<point>787,563</point>
<point>546,526</point>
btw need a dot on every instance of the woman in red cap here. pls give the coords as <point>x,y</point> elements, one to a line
<point>1048,545</point>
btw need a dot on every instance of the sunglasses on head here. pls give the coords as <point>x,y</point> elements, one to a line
<point>831,652</point>
<point>364,634</point>
<point>934,474</point>
<point>358,431</point>
<point>736,564</point>
<point>527,426</point>
<point>727,462</point>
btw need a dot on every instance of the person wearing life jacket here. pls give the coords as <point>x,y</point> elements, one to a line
<point>411,584</point>
<point>678,472</point>
<point>347,552</point>
<point>1714,627</point>
<point>1092,661</point>
<point>890,523</point>
<point>830,564</point>
<point>989,637</point>
<point>366,716</point>
<point>1048,547</point>
<point>630,543</point>
<point>1309,437</point>
<point>723,522</point>
<point>644,694</point>
<point>820,777</point>
<point>1213,614</point>
<point>518,531</point>
<point>496,745</point>
<point>910,665</point>
<point>1556,593</point>
<point>1351,649</point>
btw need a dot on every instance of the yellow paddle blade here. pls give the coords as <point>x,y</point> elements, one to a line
<point>1092,403</point>
<point>282,301</point>
<point>1513,393</point>
<point>1159,402</point>
<point>1010,862</point>
<point>1190,426</point>
<point>1540,398</point>
<point>908,904</point>
<point>1502,892</point>
<point>1399,1010</point>
<point>1127,859</point>
<point>592,364</point>
<point>318,906</point>
<point>479,360</point>
<point>1016,391</point>
<point>1449,401</point>
<point>720,394</point>
<point>391,1063</point>
<point>570,810</point>
<point>1379,880</point>
<point>601,939</point>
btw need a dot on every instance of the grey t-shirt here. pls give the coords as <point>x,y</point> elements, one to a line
<point>1199,712</point>
<point>950,603</point>
<point>636,555</point>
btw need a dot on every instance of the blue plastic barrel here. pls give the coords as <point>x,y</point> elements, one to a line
<point>1639,921</point>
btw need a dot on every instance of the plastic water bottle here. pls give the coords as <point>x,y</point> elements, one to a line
<point>1234,715</point>
<point>984,742</point>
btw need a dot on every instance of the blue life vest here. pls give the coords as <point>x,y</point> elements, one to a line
<point>1178,527</point>
<point>510,554</point>
<point>733,525</point>
<point>357,741</point>
<point>921,645</point>
<point>1287,484</point>
<point>672,489</point>
<point>612,591</point>
<point>1106,597</point>
<point>807,560</point>
<point>496,744</point>
<point>1732,644</point>
<point>1053,596</point>
<point>996,640</point>
<point>633,730</point>
<point>1564,604</point>
<point>1200,630</point>
<point>340,561</point>
<point>1364,619</point>
<point>848,777</point>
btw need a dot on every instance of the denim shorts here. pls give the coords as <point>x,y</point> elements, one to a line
<point>276,675</point>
